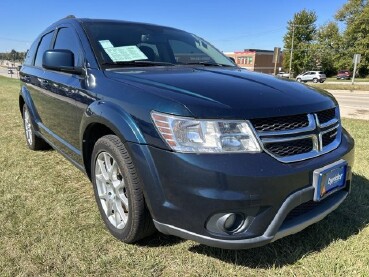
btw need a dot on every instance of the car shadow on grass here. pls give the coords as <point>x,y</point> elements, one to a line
<point>348,220</point>
<point>159,240</point>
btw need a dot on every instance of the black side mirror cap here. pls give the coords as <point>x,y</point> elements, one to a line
<point>60,60</point>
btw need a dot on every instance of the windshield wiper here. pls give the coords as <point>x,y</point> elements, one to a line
<point>137,63</point>
<point>207,64</point>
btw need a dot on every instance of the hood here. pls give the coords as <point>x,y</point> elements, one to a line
<point>211,92</point>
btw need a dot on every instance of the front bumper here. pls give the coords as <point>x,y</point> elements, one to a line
<point>277,228</point>
<point>183,191</point>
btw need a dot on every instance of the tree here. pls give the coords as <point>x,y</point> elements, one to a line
<point>13,55</point>
<point>327,49</point>
<point>301,30</point>
<point>355,13</point>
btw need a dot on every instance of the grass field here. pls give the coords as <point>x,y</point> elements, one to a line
<point>334,79</point>
<point>341,86</point>
<point>50,225</point>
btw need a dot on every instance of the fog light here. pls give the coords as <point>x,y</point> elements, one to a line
<point>230,223</point>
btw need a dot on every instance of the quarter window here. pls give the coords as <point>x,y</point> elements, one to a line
<point>31,54</point>
<point>43,46</point>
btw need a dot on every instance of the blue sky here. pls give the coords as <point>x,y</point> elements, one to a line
<point>230,25</point>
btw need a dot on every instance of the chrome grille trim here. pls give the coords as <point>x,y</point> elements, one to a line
<point>330,122</point>
<point>310,127</point>
<point>314,131</point>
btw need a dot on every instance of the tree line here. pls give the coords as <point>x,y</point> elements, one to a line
<point>13,56</point>
<point>330,47</point>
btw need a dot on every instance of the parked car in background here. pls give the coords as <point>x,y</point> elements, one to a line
<point>10,71</point>
<point>283,74</point>
<point>175,136</point>
<point>313,76</point>
<point>344,75</point>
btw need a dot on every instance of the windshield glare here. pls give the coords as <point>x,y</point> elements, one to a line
<point>115,42</point>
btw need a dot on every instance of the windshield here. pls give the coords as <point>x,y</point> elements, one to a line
<point>117,43</point>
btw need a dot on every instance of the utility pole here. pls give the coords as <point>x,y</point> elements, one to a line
<point>291,54</point>
<point>356,60</point>
<point>293,38</point>
<point>276,55</point>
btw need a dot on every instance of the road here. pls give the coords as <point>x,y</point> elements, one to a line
<point>4,72</point>
<point>353,104</point>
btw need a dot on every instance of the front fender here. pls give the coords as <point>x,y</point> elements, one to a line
<point>113,117</point>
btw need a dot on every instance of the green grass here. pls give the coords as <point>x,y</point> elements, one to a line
<point>342,86</point>
<point>334,79</point>
<point>50,225</point>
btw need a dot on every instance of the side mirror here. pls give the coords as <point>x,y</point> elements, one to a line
<point>60,60</point>
<point>232,59</point>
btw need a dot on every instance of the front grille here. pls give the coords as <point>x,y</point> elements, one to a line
<point>299,137</point>
<point>280,123</point>
<point>329,137</point>
<point>301,209</point>
<point>327,115</point>
<point>289,148</point>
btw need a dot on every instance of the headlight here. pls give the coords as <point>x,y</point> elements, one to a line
<point>205,136</point>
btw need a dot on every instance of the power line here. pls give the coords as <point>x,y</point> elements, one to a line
<point>15,40</point>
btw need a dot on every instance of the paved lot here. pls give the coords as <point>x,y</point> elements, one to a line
<point>353,104</point>
<point>4,72</point>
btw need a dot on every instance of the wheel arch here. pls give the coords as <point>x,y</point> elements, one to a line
<point>21,104</point>
<point>25,99</point>
<point>104,118</point>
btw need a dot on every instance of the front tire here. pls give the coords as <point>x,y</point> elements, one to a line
<point>118,191</point>
<point>315,80</point>
<point>299,80</point>
<point>33,141</point>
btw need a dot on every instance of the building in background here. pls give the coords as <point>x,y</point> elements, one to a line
<point>256,60</point>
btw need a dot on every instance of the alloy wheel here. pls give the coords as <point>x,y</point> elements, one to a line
<point>28,126</point>
<point>111,189</point>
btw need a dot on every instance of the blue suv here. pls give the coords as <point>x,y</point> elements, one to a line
<point>175,137</point>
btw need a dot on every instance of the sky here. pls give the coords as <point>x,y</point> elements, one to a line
<point>231,25</point>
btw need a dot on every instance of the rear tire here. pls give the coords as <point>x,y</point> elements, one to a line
<point>33,141</point>
<point>118,191</point>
